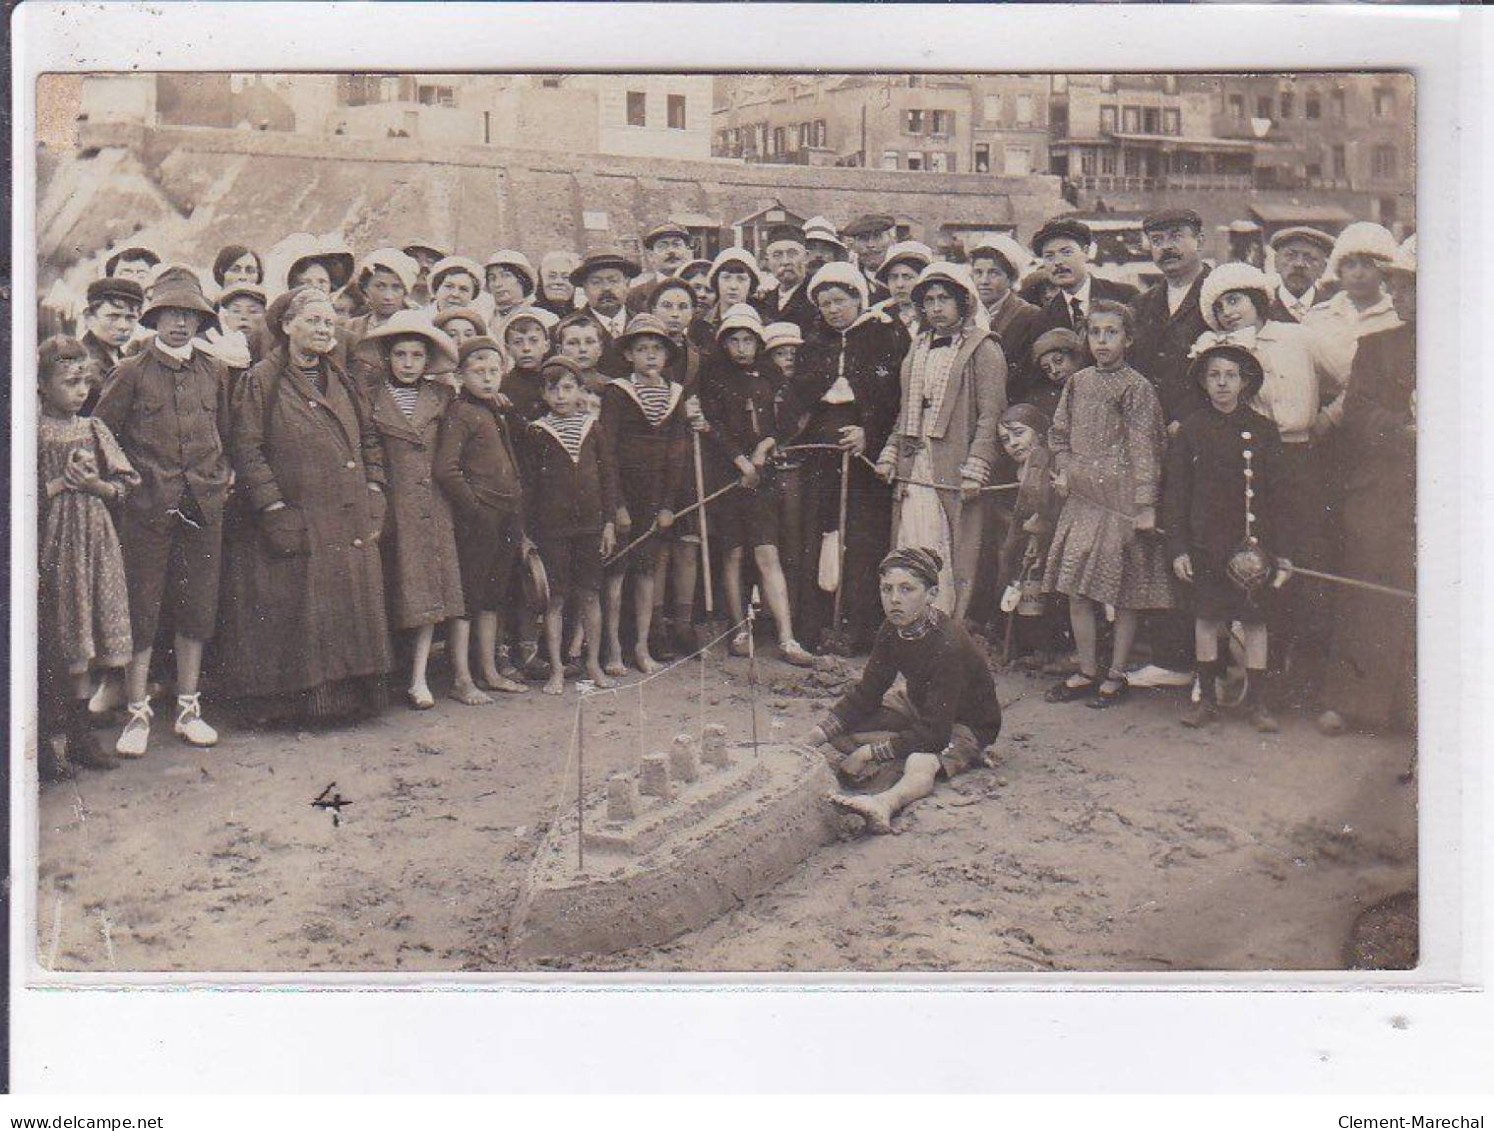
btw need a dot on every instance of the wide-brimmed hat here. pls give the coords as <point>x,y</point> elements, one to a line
<point>668,228</point>
<point>303,248</point>
<point>177,288</point>
<point>869,225</point>
<point>1173,218</point>
<point>740,316</point>
<point>602,260</point>
<point>461,313</point>
<point>1302,233</point>
<point>1250,365</point>
<point>391,259</point>
<point>477,345</point>
<point>818,229</point>
<point>243,290</point>
<point>454,263</point>
<point>133,251</point>
<point>1058,338</point>
<point>115,290</point>
<point>1016,260</point>
<point>515,261</point>
<point>1405,257</point>
<point>645,326</point>
<point>845,275</point>
<point>414,324</point>
<point>777,334</point>
<point>1230,277</point>
<point>919,255</point>
<point>412,246</point>
<point>1062,227</point>
<point>1362,238</point>
<point>742,258</point>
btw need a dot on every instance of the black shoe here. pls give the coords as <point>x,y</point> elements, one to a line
<point>1200,714</point>
<point>84,750</point>
<point>659,643</point>
<point>1263,719</point>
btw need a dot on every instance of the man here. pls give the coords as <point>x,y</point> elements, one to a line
<point>135,263</point>
<point>943,721</point>
<point>1168,322</point>
<point>109,320</point>
<point>997,264</point>
<point>1064,247</point>
<point>821,245</point>
<point>557,294</point>
<point>603,278</point>
<point>786,257</point>
<point>1301,257</point>
<point>666,249</point>
<point>870,238</point>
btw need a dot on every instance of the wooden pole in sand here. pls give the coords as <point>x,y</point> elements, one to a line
<point>705,533</point>
<point>840,565</point>
<point>580,786</point>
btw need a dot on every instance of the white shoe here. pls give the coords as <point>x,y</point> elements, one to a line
<point>136,735</point>
<point>189,724</point>
<point>109,696</point>
<point>1153,676</point>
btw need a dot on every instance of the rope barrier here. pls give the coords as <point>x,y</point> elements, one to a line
<point>589,691</point>
<point>938,486</point>
<point>654,526</point>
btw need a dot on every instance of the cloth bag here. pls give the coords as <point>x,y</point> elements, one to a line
<point>830,562</point>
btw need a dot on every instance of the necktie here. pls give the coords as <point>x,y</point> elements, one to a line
<point>942,341</point>
<point>1078,309</point>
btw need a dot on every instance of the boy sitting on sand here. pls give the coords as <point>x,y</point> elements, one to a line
<point>898,743</point>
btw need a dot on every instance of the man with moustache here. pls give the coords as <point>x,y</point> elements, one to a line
<point>1301,258</point>
<point>1063,245</point>
<point>785,257</point>
<point>603,278</point>
<point>870,238</point>
<point>666,249</point>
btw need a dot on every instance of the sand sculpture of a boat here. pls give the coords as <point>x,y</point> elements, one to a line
<point>666,849</point>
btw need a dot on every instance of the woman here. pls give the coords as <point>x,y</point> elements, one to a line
<point>236,264</point>
<point>845,389</point>
<point>1235,300</point>
<point>953,394</point>
<point>735,278</point>
<point>899,271</point>
<point>304,632</point>
<point>511,281</point>
<point>455,282</point>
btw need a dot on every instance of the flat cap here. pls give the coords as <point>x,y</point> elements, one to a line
<point>118,290</point>
<point>1173,218</point>
<point>668,228</point>
<point>869,225</point>
<point>1061,227</point>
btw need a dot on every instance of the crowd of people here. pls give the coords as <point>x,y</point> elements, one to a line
<point>299,485</point>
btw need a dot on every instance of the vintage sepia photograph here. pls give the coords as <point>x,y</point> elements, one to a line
<point>724,523</point>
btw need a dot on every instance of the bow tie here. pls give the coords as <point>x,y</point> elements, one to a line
<point>1244,338</point>
<point>942,341</point>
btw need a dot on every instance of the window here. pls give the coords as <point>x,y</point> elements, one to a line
<point>915,161</point>
<point>1087,161</point>
<point>941,122</point>
<point>1263,106</point>
<point>1024,109</point>
<point>913,122</point>
<point>940,163</point>
<point>889,159</point>
<point>1383,161</point>
<point>1287,102</point>
<point>821,136</point>
<point>1131,119</point>
<point>1107,119</point>
<point>389,90</point>
<point>1237,107</point>
<point>676,109</point>
<point>1107,161</point>
<point>1340,108</point>
<point>1312,106</point>
<point>1018,160</point>
<point>550,82</point>
<point>436,96</point>
<point>990,108</point>
<point>780,140</point>
<point>1314,172</point>
<point>760,138</point>
<point>1172,122</point>
<point>1133,163</point>
<point>637,112</point>
<point>1151,120</point>
<point>982,158</point>
<point>1340,163</point>
<point>1384,103</point>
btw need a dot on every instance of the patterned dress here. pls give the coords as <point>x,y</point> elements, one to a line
<point>1108,436</point>
<point>82,571</point>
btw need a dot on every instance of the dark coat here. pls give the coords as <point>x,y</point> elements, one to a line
<point>421,571</point>
<point>476,463</point>
<point>1203,483</point>
<point>613,362</point>
<point>167,416</point>
<point>799,309</point>
<point>870,356</point>
<point>1057,312</point>
<point>1381,452</point>
<point>567,497</point>
<point>1163,339</point>
<point>104,360</point>
<point>294,624</point>
<point>647,461</point>
<point>1015,325</point>
<point>525,389</point>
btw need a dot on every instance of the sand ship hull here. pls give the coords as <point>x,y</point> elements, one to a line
<point>676,853</point>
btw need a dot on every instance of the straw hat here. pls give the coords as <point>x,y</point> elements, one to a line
<point>600,261</point>
<point>461,313</point>
<point>1362,238</point>
<point>742,258</point>
<point>547,320</point>
<point>912,252</point>
<point>414,324</point>
<point>844,275</point>
<point>646,326</point>
<point>453,263</point>
<point>1016,260</point>
<point>739,317</point>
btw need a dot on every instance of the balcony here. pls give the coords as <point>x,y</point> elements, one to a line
<point>1173,182</point>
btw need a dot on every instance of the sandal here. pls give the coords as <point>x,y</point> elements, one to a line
<point>1105,698</point>
<point>1066,692</point>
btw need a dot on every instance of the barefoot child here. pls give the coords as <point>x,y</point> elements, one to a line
<point>84,611</point>
<point>738,402</point>
<point>422,576</point>
<point>644,437</point>
<point>1107,440</point>
<point>900,742</point>
<point>1219,483</point>
<point>570,502</point>
<point>478,469</point>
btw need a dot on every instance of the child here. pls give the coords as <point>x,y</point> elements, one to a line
<point>165,404</point>
<point>1023,432</point>
<point>570,502</point>
<point>1107,440</point>
<point>1056,356</point>
<point>422,575</point>
<point>738,402</point>
<point>461,323</point>
<point>84,611</point>
<point>477,467</point>
<point>385,280</point>
<point>781,342</point>
<point>109,320</point>
<point>579,338</point>
<point>1218,497</point>
<point>526,336</point>
<point>644,435</point>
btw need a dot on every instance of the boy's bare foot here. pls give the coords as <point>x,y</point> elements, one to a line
<point>499,682</point>
<point>555,685</point>
<point>599,677</point>
<point>616,667</point>
<point>468,694</point>
<point>420,698</point>
<point>876,813</point>
<point>643,661</point>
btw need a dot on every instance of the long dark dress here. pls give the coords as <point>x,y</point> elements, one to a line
<point>309,631</point>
